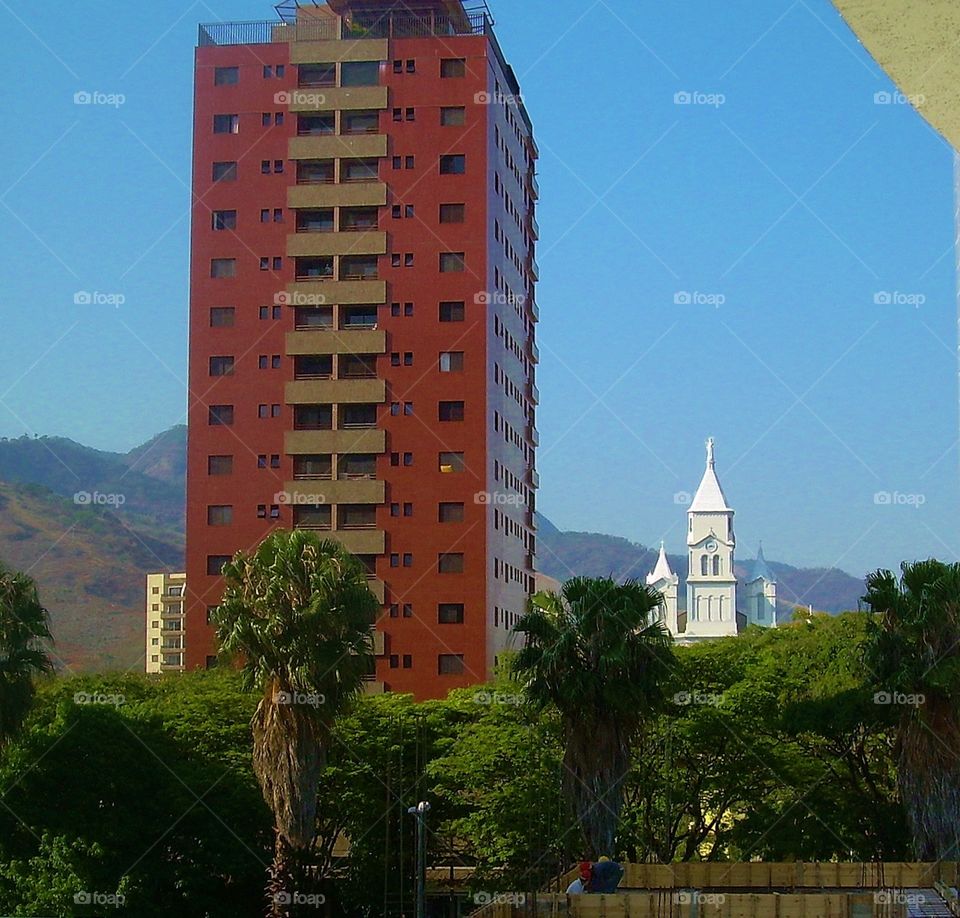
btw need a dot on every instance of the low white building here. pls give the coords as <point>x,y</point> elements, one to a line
<point>717,605</point>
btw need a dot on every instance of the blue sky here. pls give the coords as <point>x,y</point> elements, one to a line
<point>712,268</point>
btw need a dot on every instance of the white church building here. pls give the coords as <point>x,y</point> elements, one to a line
<point>717,605</point>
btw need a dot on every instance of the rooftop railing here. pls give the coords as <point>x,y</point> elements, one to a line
<point>393,24</point>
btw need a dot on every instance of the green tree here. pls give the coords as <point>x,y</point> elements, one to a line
<point>133,787</point>
<point>598,654</point>
<point>297,615</point>
<point>23,630</point>
<point>914,651</point>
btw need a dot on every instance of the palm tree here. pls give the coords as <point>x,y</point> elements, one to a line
<point>913,650</point>
<point>599,654</point>
<point>23,629</point>
<point>297,615</point>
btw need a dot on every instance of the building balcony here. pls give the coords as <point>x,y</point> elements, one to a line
<point>330,99</point>
<point>379,641</point>
<point>342,243</point>
<point>532,478</point>
<point>359,491</point>
<point>533,352</point>
<point>329,341</point>
<point>351,194</point>
<point>534,226</point>
<point>340,391</point>
<point>532,435</point>
<point>172,612</point>
<point>322,50</point>
<point>534,187</point>
<point>533,267</point>
<point>534,310</point>
<point>331,292</point>
<point>374,687</point>
<point>533,393</point>
<point>361,541</point>
<point>322,442</point>
<point>333,146</point>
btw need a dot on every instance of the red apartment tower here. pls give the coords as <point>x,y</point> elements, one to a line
<point>362,320</point>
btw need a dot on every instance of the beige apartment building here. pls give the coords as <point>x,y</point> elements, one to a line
<point>165,633</point>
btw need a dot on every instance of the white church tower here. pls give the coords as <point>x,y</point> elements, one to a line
<point>667,583</point>
<point>759,595</point>
<point>712,583</point>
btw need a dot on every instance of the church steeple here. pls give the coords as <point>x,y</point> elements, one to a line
<point>710,497</point>
<point>662,571</point>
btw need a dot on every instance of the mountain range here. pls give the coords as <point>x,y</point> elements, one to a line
<point>88,526</point>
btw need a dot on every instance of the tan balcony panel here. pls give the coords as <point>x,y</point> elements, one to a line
<point>362,541</point>
<point>377,588</point>
<point>331,292</point>
<point>330,391</point>
<point>374,688</point>
<point>329,99</point>
<point>320,442</point>
<point>379,643</point>
<point>349,194</point>
<point>372,243</point>
<point>328,52</point>
<point>348,491</point>
<point>328,341</point>
<point>331,146</point>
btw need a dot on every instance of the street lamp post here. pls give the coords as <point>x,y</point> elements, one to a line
<point>419,812</point>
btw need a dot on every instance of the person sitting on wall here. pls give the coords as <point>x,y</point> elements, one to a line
<point>605,876</point>
<point>582,883</point>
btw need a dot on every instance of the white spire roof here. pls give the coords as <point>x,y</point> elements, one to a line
<point>662,570</point>
<point>710,497</point>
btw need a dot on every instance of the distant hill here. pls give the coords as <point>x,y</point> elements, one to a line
<point>590,554</point>
<point>89,565</point>
<point>90,559</point>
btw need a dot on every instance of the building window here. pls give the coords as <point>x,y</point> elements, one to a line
<point>360,123</point>
<point>356,516</point>
<point>360,73</point>
<point>453,213</point>
<point>452,311</point>
<point>716,565</point>
<point>394,661</point>
<point>224,220</point>
<point>358,417</point>
<point>226,124</point>
<point>450,411</point>
<point>215,564</point>
<point>222,317</point>
<point>360,170</point>
<point>450,562</point>
<point>311,75</point>
<point>357,466</point>
<point>450,613</point>
<point>314,268</point>
<point>704,566</point>
<point>451,513</point>
<point>313,366</point>
<point>220,415</point>
<point>452,262</point>
<point>221,366</point>
<point>407,661</point>
<point>450,664</point>
<point>453,116</point>
<point>315,171</point>
<point>220,515</point>
<point>220,465</point>
<point>313,417</point>
<point>312,125</point>
<point>451,462</point>
<point>359,267</point>
<point>409,162</point>
<point>451,362</point>
<point>313,317</point>
<point>317,467</point>
<point>223,267</point>
<point>316,516</point>
<point>453,68</point>
<point>225,172</point>
<point>358,317</point>
<point>453,164</point>
<point>226,76</point>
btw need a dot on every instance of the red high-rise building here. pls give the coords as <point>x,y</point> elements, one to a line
<point>362,330</point>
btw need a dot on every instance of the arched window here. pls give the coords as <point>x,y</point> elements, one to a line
<point>720,606</point>
<point>716,565</point>
<point>704,562</point>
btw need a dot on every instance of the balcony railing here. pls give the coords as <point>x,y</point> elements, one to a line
<point>391,24</point>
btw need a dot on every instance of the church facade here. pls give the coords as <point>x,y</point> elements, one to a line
<point>717,604</point>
